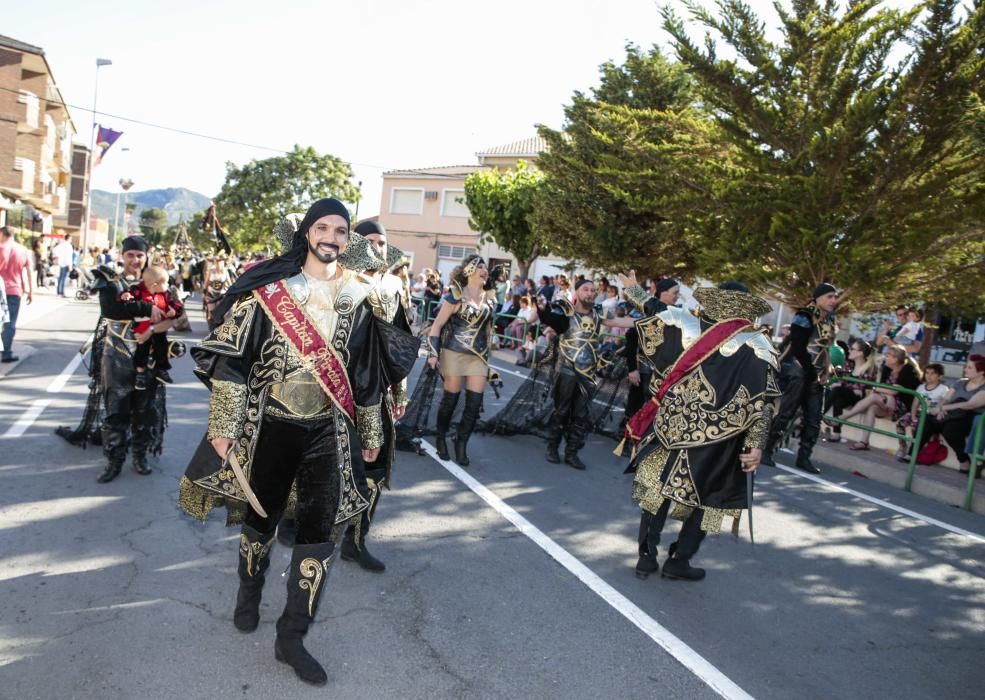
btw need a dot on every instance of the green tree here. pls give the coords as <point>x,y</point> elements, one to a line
<point>858,146</point>
<point>153,224</point>
<point>500,206</point>
<point>633,171</point>
<point>257,195</point>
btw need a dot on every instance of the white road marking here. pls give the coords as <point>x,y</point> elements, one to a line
<point>688,657</point>
<point>37,408</point>
<point>880,502</point>
<point>27,418</point>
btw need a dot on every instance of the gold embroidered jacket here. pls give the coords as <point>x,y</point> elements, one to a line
<point>254,372</point>
<point>722,405</point>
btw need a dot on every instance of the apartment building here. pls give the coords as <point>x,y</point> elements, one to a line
<point>425,215</point>
<point>36,143</point>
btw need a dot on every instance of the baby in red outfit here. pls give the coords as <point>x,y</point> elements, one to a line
<point>153,289</point>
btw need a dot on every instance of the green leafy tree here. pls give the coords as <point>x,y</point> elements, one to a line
<point>153,223</point>
<point>858,146</point>
<point>633,171</point>
<point>500,206</point>
<point>257,195</point>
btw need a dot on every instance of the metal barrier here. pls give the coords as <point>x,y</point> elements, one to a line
<point>917,433</point>
<point>975,456</point>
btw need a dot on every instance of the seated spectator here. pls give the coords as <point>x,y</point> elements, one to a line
<point>861,364</point>
<point>602,290</point>
<point>957,411</point>
<point>525,353</point>
<point>530,289</point>
<point>615,337</point>
<point>898,370</point>
<point>910,336</point>
<point>525,318</point>
<point>508,315</point>
<point>932,390</point>
<point>563,289</point>
<point>885,337</point>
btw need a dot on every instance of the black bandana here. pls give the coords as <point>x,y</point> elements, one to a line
<point>134,243</point>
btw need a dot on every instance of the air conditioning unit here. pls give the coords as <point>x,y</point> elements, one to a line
<point>431,196</point>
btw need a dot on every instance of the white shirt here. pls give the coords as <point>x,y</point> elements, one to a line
<point>63,254</point>
<point>934,395</point>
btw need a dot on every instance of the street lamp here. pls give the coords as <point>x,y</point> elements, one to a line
<point>125,185</point>
<point>100,62</point>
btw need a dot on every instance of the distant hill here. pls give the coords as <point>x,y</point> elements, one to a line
<point>176,201</point>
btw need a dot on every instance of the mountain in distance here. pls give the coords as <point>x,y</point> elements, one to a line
<point>176,201</point>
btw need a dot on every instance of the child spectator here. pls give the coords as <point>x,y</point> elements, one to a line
<point>933,390</point>
<point>152,288</point>
<point>910,336</point>
<point>527,352</point>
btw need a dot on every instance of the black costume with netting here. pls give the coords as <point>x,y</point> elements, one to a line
<point>88,429</point>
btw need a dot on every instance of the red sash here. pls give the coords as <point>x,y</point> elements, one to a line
<point>704,347</point>
<point>304,337</point>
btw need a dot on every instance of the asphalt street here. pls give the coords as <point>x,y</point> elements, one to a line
<point>110,592</point>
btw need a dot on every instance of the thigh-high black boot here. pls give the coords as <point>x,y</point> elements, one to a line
<point>686,546</point>
<point>143,418</point>
<point>446,409</point>
<point>310,564</point>
<point>254,558</point>
<point>813,400</point>
<point>470,414</point>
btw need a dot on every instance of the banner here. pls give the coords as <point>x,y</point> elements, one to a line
<point>105,138</point>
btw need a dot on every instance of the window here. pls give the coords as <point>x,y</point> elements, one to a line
<point>450,206</point>
<point>26,167</point>
<point>406,201</point>
<point>454,251</point>
<point>32,107</point>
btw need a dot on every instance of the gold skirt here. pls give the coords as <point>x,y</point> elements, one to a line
<point>462,364</point>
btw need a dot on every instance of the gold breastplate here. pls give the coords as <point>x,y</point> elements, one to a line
<point>298,396</point>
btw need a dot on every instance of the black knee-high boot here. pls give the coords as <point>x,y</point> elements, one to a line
<point>254,558</point>
<point>470,414</point>
<point>354,544</point>
<point>310,564</point>
<point>446,409</point>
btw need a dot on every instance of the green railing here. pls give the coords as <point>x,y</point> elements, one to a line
<point>975,457</point>
<point>917,433</point>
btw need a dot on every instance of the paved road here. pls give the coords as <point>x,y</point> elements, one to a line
<point>108,592</point>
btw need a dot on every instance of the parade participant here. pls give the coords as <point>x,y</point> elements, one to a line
<point>640,372</point>
<point>153,289</point>
<point>463,349</point>
<point>805,367</point>
<point>214,286</point>
<point>390,303</point>
<point>297,371</point>
<point>578,326</point>
<point>715,374</point>
<point>140,414</point>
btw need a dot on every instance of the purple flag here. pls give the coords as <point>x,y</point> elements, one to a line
<point>104,139</point>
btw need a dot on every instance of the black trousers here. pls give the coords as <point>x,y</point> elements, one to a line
<point>839,399</point>
<point>305,452</point>
<point>954,430</point>
<point>798,393</point>
<point>688,540</point>
<point>128,413</point>
<point>571,418</point>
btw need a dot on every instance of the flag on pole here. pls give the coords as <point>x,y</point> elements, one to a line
<point>104,139</point>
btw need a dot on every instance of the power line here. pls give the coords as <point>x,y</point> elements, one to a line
<point>219,139</point>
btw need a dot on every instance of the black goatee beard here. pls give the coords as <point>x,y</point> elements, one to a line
<point>331,256</point>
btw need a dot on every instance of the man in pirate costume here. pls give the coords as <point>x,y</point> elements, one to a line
<point>297,371</point>
<point>390,303</point>
<point>640,371</point>
<point>578,326</point>
<point>706,424</point>
<point>132,420</point>
<point>804,371</point>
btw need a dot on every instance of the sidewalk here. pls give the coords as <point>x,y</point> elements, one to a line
<point>942,484</point>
